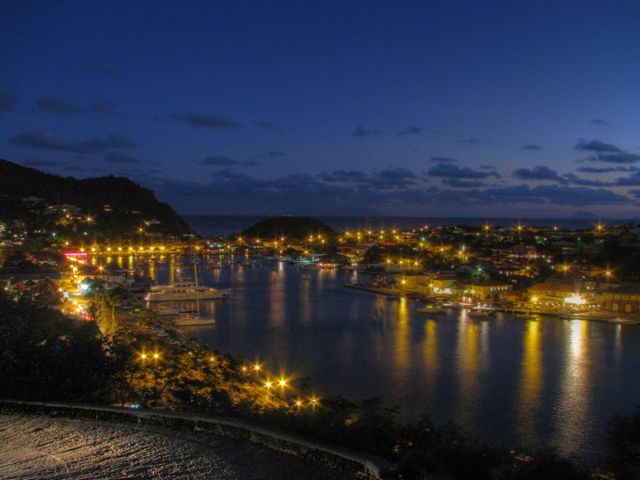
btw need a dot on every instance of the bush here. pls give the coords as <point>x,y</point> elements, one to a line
<point>45,355</point>
<point>623,445</point>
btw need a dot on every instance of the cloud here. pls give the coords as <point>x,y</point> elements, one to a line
<point>459,183</point>
<point>273,154</point>
<point>411,131</point>
<point>540,172</point>
<point>446,170</point>
<point>586,182</point>
<point>597,146</point>
<point>606,169</point>
<point>120,158</point>
<point>103,105</point>
<point>392,178</point>
<point>222,161</point>
<point>37,162</point>
<point>58,105</point>
<point>266,125</point>
<point>532,147</point>
<point>362,132</point>
<point>48,141</point>
<point>488,167</point>
<point>219,160</point>
<point>344,176</point>
<point>207,121</point>
<point>104,69</point>
<point>443,159</point>
<point>552,194</point>
<point>606,152</point>
<point>471,141</point>
<point>633,180</point>
<point>230,191</point>
<point>600,122</point>
<point>8,99</point>
<point>625,157</point>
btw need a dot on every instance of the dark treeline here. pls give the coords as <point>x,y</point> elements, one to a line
<point>129,203</point>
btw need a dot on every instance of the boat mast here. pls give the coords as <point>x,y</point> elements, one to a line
<point>195,271</point>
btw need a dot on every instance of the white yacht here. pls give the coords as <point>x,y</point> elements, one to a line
<point>181,291</point>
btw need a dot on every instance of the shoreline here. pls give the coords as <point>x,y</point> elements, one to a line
<point>610,318</point>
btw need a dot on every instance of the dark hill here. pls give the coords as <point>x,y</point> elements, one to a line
<point>295,228</point>
<point>117,204</point>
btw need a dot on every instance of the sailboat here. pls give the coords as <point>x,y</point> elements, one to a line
<point>189,319</point>
<point>184,291</point>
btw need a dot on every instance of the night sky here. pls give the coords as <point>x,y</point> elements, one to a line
<point>444,108</point>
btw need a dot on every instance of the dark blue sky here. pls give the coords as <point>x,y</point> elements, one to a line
<point>415,108</point>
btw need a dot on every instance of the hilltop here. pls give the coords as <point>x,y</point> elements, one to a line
<point>294,228</point>
<point>113,205</point>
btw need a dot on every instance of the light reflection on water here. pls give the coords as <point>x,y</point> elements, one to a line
<point>511,380</point>
<point>572,412</point>
<point>531,382</point>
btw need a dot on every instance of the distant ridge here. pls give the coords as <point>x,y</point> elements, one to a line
<point>129,204</point>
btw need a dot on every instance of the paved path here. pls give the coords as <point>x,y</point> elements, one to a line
<point>40,447</point>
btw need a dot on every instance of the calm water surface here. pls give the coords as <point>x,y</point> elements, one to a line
<point>509,380</point>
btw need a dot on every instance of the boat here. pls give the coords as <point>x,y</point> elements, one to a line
<point>191,320</point>
<point>480,313</point>
<point>432,309</point>
<point>167,310</point>
<point>181,291</point>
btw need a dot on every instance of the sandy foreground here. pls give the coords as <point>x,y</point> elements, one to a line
<point>40,447</point>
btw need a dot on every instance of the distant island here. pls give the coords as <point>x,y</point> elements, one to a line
<point>103,206</point>
<point>294,228</point>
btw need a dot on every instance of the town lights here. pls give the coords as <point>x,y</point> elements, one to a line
<point>282,383</point>
<point>268,384</point>
<point>257,367</point>
<point>575,299</point>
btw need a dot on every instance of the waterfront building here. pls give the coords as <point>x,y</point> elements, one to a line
<point>624,299</point>
<point>488,289</point>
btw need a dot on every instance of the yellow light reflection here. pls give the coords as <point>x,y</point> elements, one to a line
<point>468,366</point>
<point>402,333</point>
<point>530,383</point>
<point>431,358</point>
<point>573,406</point>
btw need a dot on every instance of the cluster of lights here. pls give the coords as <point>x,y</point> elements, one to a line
<point>281,385</point>
<point>96,249</point>
<point>144,356</point>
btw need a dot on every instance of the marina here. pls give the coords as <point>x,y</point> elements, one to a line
<point>564,380</point>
